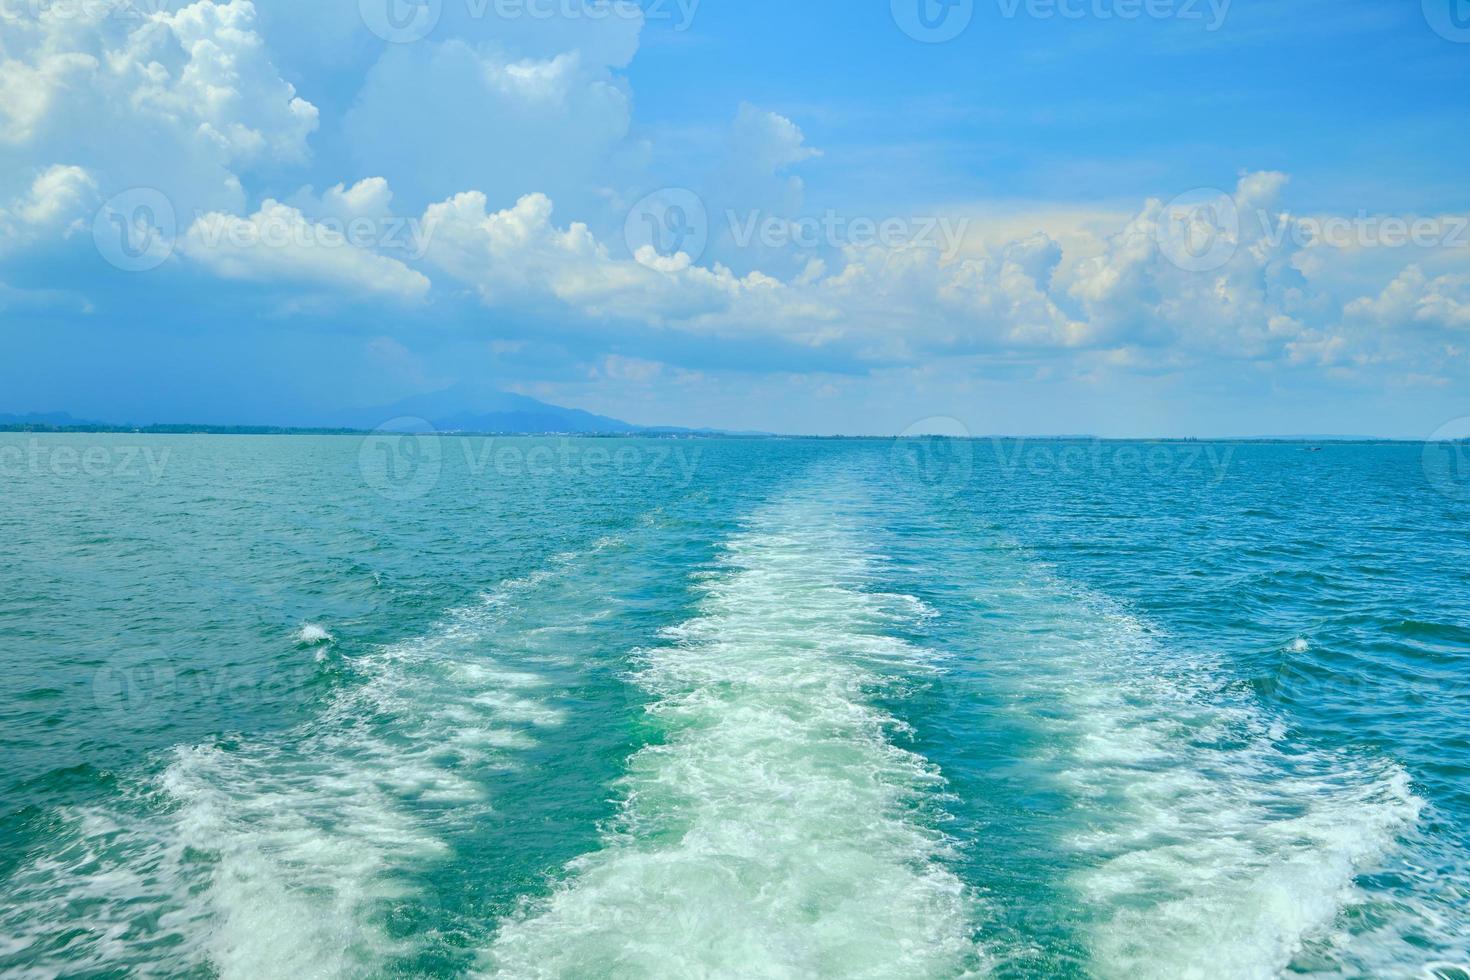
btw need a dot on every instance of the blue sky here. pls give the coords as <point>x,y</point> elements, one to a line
<point>1124,217</point>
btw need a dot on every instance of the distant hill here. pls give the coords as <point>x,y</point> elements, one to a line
<point>466,409</point>
<point>460,409</point>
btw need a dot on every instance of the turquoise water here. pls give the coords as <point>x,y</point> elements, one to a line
<point>333,707</point>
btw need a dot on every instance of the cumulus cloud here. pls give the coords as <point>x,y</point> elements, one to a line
<point>484,124</point>
<point>182,101</point>
<point>1133,298</point>
<point>1414,299</point>
<point>1237,297</point>
<point>278,244</point>
<point>57,201</point>
<point>518,257</point>
<point>761,148</point>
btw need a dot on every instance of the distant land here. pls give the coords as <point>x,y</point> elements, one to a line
<point>459,410</point>
<point>61,423</point>
<point>480,410</point>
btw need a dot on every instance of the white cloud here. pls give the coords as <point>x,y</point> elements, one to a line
<point>278,244</point>
<point>1136,292</point>
<point>493,118</point>
<point>57,201</point>
<point>182,101</point>
<point>518,258</point>
<point>1131,301</point>
<point>761,149</point>
<point>1415,300</point>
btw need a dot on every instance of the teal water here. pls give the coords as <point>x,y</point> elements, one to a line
<point>334,707</point>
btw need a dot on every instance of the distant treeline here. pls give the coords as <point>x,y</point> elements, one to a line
<point>178,430</point>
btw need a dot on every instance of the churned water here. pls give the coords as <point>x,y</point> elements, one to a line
<point>423,706</point>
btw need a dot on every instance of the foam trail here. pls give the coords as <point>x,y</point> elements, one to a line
<point>1212,845</point>
<point>280,857</point>
<point>775,830</point>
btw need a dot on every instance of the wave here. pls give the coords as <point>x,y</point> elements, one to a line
<point>772,828</point>
<point>284,855</point>
<point>1209,841</point>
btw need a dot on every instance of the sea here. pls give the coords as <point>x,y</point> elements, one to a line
<point>414,705</point>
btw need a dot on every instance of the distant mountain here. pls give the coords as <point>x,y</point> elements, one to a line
<point>463,408</point>
<point>467,409</point>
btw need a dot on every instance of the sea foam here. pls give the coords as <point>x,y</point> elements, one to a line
<point>1210,844</point>
<point>773,828</point>
<point>284,855</point>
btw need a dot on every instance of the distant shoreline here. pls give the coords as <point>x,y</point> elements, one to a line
<point>268,430</point>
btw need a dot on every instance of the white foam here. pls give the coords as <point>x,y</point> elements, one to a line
<point>1213,847</point>
<point>774,830</point>
<point>1299,645</point>
<point>312,634</point>
<point>282,856</point>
